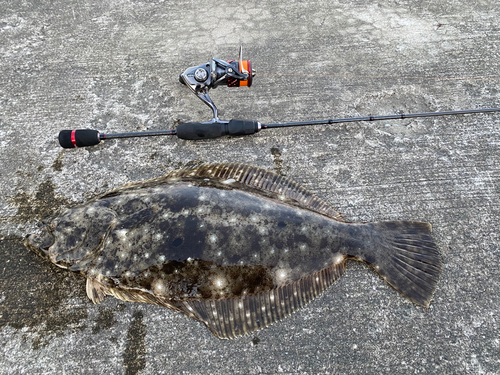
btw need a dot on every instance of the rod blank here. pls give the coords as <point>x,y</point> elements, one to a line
<point>197,130</point>
<point>376,118</point>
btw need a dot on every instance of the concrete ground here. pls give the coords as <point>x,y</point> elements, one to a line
<point>114,66</point>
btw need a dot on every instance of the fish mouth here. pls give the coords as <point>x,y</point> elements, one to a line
<point>40,243</point>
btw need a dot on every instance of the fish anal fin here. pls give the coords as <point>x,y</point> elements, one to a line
<point>231,318</point>
<point>96,291</point>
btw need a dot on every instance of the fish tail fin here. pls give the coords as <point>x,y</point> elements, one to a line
<point>408,259</point>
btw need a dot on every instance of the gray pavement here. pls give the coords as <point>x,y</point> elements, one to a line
<point>114,65</point>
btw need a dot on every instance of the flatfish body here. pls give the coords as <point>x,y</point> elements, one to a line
<point>233,246</point>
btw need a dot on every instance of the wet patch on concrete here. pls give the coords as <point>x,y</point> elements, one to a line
<point>35,294</point>
<point>105,320</point>
<point>58,163</point>
<point>134,356</point>
<point>43,205</point>
<point>278,162</point>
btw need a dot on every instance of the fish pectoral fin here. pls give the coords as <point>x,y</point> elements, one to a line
<point>95,290</point>
<point>230,318</point>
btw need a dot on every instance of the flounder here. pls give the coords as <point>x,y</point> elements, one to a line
<point>233,246</point>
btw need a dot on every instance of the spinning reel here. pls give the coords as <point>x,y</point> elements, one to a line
<point>233,73</point>
<point>200,79</point>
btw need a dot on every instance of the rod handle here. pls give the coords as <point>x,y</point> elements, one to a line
<point>198,130</point>
<point>78,138</point>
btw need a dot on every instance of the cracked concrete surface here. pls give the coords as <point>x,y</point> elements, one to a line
<point>114,66</point>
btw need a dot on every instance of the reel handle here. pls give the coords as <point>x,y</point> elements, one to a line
<point>198,130</point>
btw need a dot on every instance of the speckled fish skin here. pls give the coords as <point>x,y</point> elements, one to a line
<point>235,251</point>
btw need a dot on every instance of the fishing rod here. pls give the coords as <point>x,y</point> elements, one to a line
<point>233,73</point>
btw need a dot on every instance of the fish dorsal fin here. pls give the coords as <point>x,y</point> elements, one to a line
<point>261,180</point>
<point>235,317</point>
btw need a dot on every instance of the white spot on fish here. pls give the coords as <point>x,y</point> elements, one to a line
<point>213,238</point>
<point>282,274</point>
<point>302,247</point>
<point>158,236</point>
<point>122,233</point>
<point>202,197</point>
<point>146,255</point>
<point>185,212</point>
<point>165,215</point>
<point>202,225</point>
<point>339,259</point>
<point>229,181</point>
<point>220,282</point>
<point>303,229</point>
<point>158,287</point>
<point>162,258</point>
<point>200,209</point>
